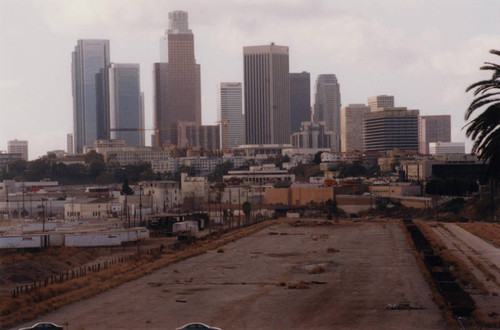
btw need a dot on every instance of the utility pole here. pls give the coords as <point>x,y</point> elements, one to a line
<point>140,204</point>
<point>7,198</point>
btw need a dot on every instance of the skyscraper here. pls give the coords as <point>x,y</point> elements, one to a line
<point>231,118</point>
<point>327,102</point>
<point>391,128</point>
<point>433,129</point>
<point>18,147</point>
<point>69,144</point>
<point>351,127</point>
<point>267,94</point>
<point>90,120</point>
<point>125,105</point>
<point>300,99</point>
<point>380,101</point>
<point>177,82</point>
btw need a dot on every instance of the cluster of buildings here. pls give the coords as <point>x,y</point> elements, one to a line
<point>270,108</point>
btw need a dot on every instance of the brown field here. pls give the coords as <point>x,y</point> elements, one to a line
<point>340,275</point>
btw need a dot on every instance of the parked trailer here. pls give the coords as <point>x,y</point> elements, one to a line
<point>20,242</point>
<point>39,226</point>
<point>93,239</point>
<point>142,234</point>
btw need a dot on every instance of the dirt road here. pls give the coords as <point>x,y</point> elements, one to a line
<point>482,258</point>
<point>247,285</point>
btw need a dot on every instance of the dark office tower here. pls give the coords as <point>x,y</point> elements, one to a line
<point>391,128</point>
<point>89,116</point>
<point>125,104</point>
<point>267,94</point>
<point>177,82</point>
<point>327,102</point>
<point>300,99</point>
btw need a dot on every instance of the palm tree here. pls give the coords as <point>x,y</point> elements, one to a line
<point>485,128</point>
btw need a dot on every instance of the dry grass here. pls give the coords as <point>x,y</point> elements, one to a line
<point>486,321</point>
<point>457,267</point>
<point>436,296</point>
<point>47,299</point>
<point>487,231</point>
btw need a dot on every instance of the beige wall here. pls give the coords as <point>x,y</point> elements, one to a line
<point>297,196</point>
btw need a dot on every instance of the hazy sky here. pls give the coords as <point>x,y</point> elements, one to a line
<point>424,52</point>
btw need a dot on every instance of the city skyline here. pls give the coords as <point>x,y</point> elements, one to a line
<point>423,58</point>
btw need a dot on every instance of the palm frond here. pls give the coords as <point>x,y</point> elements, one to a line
<point>494,51</point>
<point>475,105</point>
<point>481,83</point>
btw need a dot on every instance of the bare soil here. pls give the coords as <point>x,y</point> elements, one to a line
<point>270,280</point>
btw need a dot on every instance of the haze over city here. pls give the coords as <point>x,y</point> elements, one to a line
<point>422,52</point>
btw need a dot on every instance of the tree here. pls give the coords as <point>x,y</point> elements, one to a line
<point>126,190</point>
<point>247,208</point>
<point>219,171</point>
<point>485,128</point>
<point>317,158</point>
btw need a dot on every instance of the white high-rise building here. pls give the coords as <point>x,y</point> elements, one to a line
<point>231,118</point>
<point>18,147</point>
<point>69,143</point>
<point>351,127</point>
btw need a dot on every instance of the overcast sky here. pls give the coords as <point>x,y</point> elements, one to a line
<point>424,52</point>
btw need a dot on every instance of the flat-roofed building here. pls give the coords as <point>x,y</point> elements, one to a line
<point>379,102</point>
<point>440,148</point>
<point>433,129</point>
<point>266,94</point>
<point>391,128</point>
<point>313,135</point>
<point>18,147</point>
<point>351,127</point>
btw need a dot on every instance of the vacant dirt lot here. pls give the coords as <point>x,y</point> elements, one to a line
<point>351,271</point>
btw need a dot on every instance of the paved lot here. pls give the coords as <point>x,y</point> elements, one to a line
<point>247,285</point>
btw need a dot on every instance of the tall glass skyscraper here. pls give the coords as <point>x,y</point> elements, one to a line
<point>90,119</point>
<point>267,94</point>
<point>177,82</point>
<point>125,104</point>
<point>327,102</point>
<point>231,118</point>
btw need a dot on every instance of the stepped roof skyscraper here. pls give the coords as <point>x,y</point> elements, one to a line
<point>327,103</point>
<point>177,81</point>
<point>90,119</point>
<point>267,94</point>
